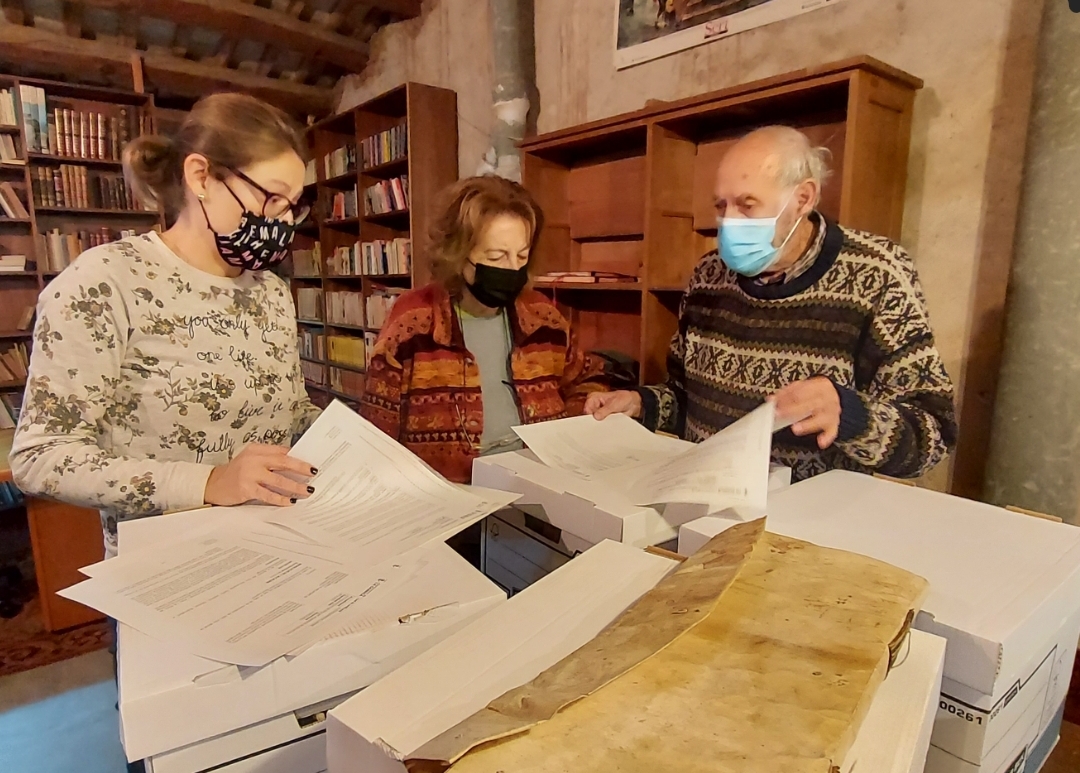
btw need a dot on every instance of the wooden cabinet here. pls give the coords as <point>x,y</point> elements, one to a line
<point>64,538</point>
<point>633,193</point>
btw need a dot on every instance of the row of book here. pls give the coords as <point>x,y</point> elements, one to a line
<point>310,177</point>
<point>379,304</point>
<point>76,187</point>
<point>348,381</point>
<point>387,196</point>
<point>387,146</point>
<point>345,308</point>
<point>63,131</point>
<point>386,256</point>
<point>346,350</point>
<point>312,344</point>
<point>11,204</point>
<point>8,152</point>
<point>87,135</point>
<point>60,249</point>
<point>338,162</point>
<point>8,114</point>
<point>309,303</point>
<point>306,262</point>
<point>375,258</point>
<point>343,205</point>
<point>314,373</point>
<point>14,363</point>
<point>345,261</point>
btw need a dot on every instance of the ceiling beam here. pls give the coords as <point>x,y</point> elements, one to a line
<point>27,45</point>
<point>239,19</point>
<point>406,9</point>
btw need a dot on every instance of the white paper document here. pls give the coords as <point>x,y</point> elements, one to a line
<point>730,469</point>
<point>373,498</point>
<point>587,447</point>
<point>232,599</point>
<point>245,585</point>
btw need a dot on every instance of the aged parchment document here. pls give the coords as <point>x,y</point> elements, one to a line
<point>762,665</point>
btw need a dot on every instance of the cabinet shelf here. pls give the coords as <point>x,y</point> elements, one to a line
<point>96,212</point>
<point>48,158</point>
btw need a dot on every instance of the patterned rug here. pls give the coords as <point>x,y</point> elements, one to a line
<point>25,644</point>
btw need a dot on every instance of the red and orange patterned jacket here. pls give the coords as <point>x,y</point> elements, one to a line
<point>423,385</point>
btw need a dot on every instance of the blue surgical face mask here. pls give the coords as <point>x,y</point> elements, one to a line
<point>746,243</point>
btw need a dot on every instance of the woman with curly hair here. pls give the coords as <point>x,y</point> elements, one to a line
<point>473,354</point>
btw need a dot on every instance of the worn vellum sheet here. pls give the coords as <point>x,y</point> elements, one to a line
<point>774,677</point>
<point>676,604</point>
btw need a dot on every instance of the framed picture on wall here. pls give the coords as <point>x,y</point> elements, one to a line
<point>649,29</point>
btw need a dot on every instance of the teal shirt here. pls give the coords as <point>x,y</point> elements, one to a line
<point>488,340</point>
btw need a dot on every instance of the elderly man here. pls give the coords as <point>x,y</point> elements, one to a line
<point>828,322</point>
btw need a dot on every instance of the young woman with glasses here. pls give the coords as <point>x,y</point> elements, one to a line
<point>165,373</point>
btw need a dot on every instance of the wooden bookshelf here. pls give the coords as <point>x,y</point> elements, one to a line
<point>430,162</point>
<point>632,194</point>
<point>24,236</point>
<point>63,537</point>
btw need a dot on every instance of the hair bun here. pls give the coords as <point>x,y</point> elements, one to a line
<point>151,165</point>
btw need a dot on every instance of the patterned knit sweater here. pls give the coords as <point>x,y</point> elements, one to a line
<point>856,316</point>
<point>423,386</point>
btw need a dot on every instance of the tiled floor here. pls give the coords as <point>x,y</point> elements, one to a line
<point>61,718</point>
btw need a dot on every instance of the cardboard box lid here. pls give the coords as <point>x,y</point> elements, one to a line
<point>1001,584</point>
<point>895,735</point>
<point>499,651</point>
<point>586,509</point>
<point>170,698</point>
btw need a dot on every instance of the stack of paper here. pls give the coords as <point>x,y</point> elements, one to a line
<point>730,469</point>
<point>270,581</point>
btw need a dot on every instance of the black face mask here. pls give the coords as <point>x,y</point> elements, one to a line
<point>497,287</point>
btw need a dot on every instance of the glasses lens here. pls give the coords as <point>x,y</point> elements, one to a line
<point>300,212</point>
<point>276,207</point>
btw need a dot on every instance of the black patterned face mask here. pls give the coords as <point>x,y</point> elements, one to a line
<point>258,244</point>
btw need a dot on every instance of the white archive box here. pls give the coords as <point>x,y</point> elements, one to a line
<point>376,730</point>
<point>186,714</point>
<point>1004,593</point>
<point>588,510</point>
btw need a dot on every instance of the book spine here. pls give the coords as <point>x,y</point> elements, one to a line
<point>91,136</point>
<point>54,143</point>
<point>58,188</point>
<point>114,137</point>
<point>43,120</point>
<point>69,146</point>
<point>28,118</point>
<point>83,135</point>
<point>102,149</point>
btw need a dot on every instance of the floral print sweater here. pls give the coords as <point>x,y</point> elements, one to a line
<point>147,372</point>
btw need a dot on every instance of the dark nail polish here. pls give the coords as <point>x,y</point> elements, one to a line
<point>292,501</point>
<point>311,489</point>
<point>314,471</point>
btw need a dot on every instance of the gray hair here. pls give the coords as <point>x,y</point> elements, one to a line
<point>799,160</point>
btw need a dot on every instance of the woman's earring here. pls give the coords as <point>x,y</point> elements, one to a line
<point>202,197</point>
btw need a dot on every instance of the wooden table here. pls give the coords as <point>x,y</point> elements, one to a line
<point>64,538</point>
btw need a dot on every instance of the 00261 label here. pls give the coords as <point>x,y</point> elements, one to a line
<point>961,713</point>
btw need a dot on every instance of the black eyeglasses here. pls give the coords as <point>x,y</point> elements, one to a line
<point>275,206</point>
